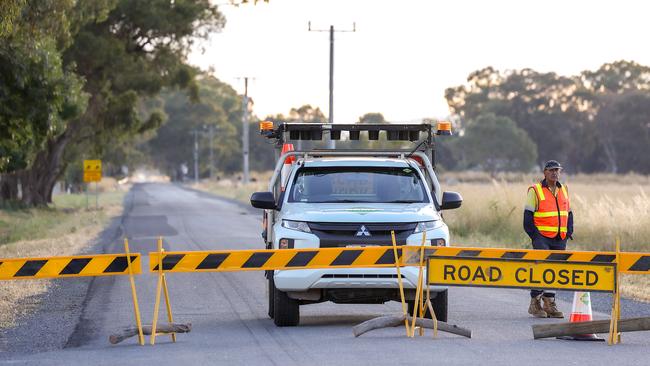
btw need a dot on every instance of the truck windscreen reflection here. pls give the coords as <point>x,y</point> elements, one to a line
<point>358,185</point>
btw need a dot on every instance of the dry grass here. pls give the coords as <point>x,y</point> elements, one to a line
<point>232,187</point>
<point>65,229</point>
<point>491,215</point>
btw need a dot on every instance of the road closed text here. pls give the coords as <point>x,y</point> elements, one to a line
<point>521,273</point>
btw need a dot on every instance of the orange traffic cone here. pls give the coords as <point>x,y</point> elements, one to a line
<point>581,312</point>
<point>286,168</point>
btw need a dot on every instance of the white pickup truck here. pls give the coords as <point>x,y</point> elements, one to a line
<point>340,198</point>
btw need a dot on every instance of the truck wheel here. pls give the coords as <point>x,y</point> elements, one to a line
<point>439,304</point>
<point>286,311</point>
<point>271,290</point>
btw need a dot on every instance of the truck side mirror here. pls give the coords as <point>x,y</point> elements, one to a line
<point>263,200</point>
<point>451,200</point>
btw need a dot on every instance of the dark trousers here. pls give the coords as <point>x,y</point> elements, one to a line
<point>542,242</point>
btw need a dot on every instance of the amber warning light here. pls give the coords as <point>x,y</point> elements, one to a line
<point>266,126</point>
<point>443,128</point>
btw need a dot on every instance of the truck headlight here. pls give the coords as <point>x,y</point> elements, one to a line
<point>296,225</point>
<point>427,225</point>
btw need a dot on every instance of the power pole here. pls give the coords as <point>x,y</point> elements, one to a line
<point>245,132</point>
<point>196,156</point>
<point>211,134</point>
<point>332,143</point>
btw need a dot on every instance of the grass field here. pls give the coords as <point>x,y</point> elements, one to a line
<point>66,215</point>
<point>603,210</point>
<point>605,207</point>
<point>64,228</point>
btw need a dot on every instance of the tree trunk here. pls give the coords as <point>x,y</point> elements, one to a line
<point>610,154</point>
<point>39,180</point>
<point>8,187</point>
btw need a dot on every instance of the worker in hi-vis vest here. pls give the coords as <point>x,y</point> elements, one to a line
<point>548,221</point>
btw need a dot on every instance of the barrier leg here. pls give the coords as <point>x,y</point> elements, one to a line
<point>415,306</point>
<point>158,290</point>
<point>614,335</point>
<point>422,311</point>
<point>401,286</point>
<point>136,307</point>
<point>618,290</point>
<point>170,317</point>
<point>422,263</point>
<point>419,289</point>
<point>433,314</point>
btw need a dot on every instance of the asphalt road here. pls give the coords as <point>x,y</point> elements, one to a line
<point>228,310</point>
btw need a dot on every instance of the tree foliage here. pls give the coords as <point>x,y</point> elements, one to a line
<point>623,125</point>
<point>89,62</point>
<point>372,118</point>
<point>495,144</point>
<point>559,113</point>
<point>306,113</point>
<point>219,107</point>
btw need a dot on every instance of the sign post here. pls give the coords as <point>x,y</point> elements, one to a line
<point>93,173</point>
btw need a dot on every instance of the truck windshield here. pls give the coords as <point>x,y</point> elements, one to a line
<point>358,184</point>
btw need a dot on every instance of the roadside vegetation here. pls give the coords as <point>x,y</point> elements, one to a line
<point>64,228</point>
<point>606,207</point>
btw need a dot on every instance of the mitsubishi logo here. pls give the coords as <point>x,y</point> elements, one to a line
<point>363,231</point>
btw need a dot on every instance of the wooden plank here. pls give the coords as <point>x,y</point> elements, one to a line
<point>597,326</point>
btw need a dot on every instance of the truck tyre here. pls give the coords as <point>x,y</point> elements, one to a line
<point>440,307</point>
<point>286,311</point>
<point>439,304</point>
<point>271,290</point>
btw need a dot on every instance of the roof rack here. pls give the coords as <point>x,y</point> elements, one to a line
<point>314,131</point>
<point>286,131</point>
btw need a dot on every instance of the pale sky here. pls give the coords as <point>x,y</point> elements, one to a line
<point>405,53</point>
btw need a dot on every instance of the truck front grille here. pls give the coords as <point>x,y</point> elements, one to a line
<point>336,235</point>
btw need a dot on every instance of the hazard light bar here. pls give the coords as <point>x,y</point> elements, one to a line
<point>314,131</point>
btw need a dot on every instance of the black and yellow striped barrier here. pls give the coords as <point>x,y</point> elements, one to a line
<point>270,259</point>
<point>75,266</point>
<point>377,257</point>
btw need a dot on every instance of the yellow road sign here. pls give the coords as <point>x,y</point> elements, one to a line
<point>92,170</point>
<point>514,273</point>
<point>77,266</point>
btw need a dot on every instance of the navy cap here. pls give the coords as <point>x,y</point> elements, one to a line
<point>552,164</point>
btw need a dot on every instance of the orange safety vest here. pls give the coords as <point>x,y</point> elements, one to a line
<point>552,214</point>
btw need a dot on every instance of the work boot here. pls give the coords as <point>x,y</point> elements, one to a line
<point>535,308</point>
<point>550,308</point>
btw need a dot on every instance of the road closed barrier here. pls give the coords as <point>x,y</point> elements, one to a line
<point>127,263</point>
<point>518,273</point>
<point>540,269</point>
